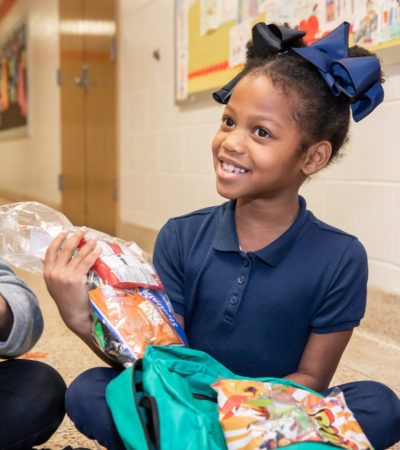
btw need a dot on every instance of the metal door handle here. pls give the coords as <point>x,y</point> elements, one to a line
<point>82,80</point>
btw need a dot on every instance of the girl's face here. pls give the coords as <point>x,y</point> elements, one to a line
<point>256,150</point>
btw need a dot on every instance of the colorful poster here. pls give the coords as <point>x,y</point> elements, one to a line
<point>389,23</point>
<point>239,35</point>
<point>366,22</point>
<point>274,13</point>
<point>334,12</point>
<point>208,16</point>
<point>307,15</point>
<point>224,27</point>
<point>13,82</point>
<point>253,8</point>
<point>227,10</point>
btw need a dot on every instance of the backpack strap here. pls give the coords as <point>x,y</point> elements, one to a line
<point>153,421</point>
<point>123,396</point>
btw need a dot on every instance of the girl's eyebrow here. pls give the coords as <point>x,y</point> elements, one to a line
<point>228,108</point>
<point>256,117</point>
<point>265,118</point>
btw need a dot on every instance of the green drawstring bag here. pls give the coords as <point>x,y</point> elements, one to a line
<point>166,402</point>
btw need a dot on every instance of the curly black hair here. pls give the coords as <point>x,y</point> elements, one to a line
<point>319,114</point>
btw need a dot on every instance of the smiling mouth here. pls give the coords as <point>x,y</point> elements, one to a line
<point>231,168</point>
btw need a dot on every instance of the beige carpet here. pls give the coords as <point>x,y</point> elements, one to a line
<point>370,355</point>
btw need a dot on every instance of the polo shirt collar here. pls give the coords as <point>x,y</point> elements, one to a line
<point>226,239</point>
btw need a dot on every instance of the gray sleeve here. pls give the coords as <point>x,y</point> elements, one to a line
<point>28,320</point>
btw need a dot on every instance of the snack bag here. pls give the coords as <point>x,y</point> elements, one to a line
<point>122,267</point>
<point>259,415</point>
<point>256,415</point>
<point>126,321</point>
<point>337,424</point>
<point>130,308</point>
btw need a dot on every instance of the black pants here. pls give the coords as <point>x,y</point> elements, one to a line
<point>31,403</point>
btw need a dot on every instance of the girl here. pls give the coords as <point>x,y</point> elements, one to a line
<point>259,282</point>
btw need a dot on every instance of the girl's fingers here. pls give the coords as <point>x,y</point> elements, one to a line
<point>72,242</point>
<point>88,260</point>
<point>54,247</point>
<point>68,248</point>
<point>62,255</point>
<point>87,252</point>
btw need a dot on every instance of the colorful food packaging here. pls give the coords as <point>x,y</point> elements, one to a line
<point>337,424</point>
<point>121,267</point>
<point>126,321</point>
<point>130,308</point>
<point>258,416</point>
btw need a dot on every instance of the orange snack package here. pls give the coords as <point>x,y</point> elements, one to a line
<point>129,320</point>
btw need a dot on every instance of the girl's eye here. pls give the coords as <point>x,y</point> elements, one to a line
<point>228,122</point>
<point>261,132</point>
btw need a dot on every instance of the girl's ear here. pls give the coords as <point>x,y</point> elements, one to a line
<point>316,157</point>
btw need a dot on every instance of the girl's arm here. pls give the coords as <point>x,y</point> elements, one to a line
<point>341,307</point>
<point>320,359</point>
<point>65,273</point>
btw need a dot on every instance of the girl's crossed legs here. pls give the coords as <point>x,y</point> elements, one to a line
<point>376,407</point>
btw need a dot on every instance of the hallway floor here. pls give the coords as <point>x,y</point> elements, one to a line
<point>373,353</point>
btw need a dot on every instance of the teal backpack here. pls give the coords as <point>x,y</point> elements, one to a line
<point>166,402</point>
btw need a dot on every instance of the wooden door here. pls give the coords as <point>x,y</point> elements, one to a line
<point>87,81</point>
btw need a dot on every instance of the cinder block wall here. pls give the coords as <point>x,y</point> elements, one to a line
<point>165,157</point>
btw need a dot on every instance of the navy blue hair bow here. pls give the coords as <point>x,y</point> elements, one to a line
<point>359,78</point>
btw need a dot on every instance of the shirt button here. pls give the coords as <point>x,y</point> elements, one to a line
<point>234,299</point>
<point>241,279</point>
<point>246,262</point>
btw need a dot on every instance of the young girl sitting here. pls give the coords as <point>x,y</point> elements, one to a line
<point>259,282</point>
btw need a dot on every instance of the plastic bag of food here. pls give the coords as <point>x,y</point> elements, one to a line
<point>259,415</point>
<point>123,266</point>
<point>337,424</point>
<point>127,320</point>
<point>130,308</point>
<point>253,419</point>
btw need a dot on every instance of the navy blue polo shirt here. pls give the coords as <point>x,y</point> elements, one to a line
<point>254,311</point>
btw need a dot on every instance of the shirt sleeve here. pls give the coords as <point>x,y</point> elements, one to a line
<point>27,318</point>
<point>344,304</point>
<point>167,259</point>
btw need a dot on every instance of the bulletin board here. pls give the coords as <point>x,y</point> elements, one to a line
<point>211,35</point>
<point>13,84</point>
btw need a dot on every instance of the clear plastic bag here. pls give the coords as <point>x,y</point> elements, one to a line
<point>130,308</point>
<point>27,228</point>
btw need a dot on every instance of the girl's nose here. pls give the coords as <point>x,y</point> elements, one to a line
<point>234,142</point>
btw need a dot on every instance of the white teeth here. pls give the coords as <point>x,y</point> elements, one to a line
<point>231,168</point>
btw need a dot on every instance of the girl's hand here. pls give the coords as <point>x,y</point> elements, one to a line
<point>65,274</point>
